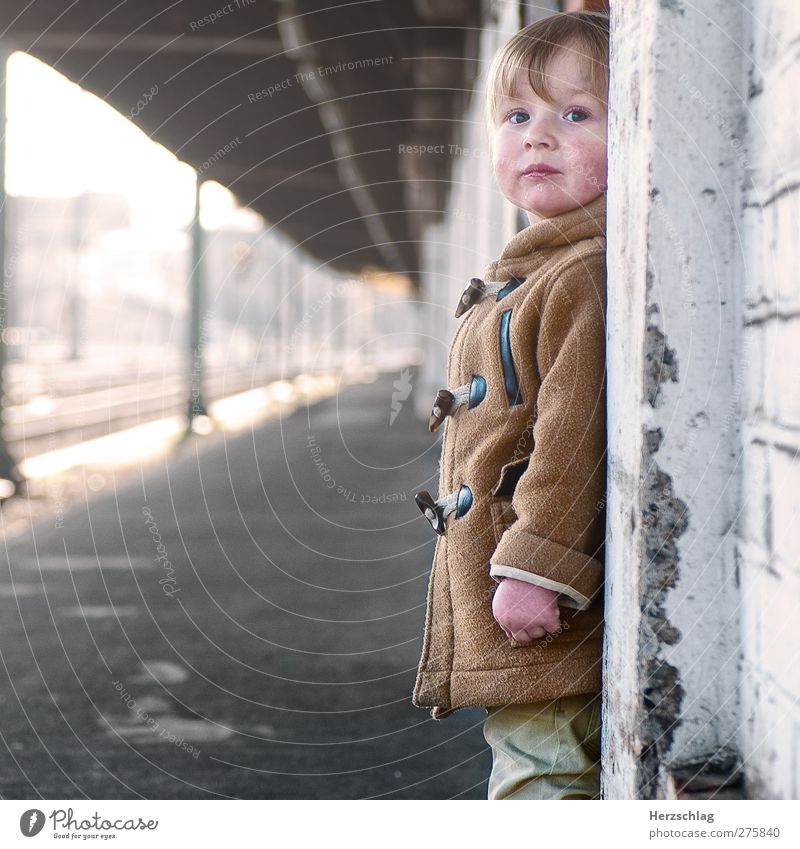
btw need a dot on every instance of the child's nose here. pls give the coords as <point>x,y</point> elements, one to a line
<point>540,132</point>
<point>540,140</point>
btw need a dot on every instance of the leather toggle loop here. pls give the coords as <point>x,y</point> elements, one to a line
<point>476,289</point>
<point>472,293</point>
<point>442,406</point>
<point>449,400</point>
<point>432,511</point>
<point>436,512</point>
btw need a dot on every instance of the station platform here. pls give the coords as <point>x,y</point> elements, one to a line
<point>241,620</point>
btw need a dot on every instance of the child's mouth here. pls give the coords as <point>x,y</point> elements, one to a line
<point>539,175</point>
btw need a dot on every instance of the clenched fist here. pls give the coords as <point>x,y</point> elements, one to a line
<point>525,611</point>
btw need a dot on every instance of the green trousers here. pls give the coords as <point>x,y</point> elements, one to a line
<point>545,750</point>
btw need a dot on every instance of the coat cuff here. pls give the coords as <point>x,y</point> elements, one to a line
<point>549,564</point>
<point>498,571</point>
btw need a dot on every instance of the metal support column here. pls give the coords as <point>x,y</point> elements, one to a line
<point>197,405</point>
<point>78,215</point>
<point>10,477</point>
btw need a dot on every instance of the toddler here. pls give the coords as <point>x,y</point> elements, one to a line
<point>515,607</point>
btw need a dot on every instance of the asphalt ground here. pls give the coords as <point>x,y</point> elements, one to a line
<point>242,619</point>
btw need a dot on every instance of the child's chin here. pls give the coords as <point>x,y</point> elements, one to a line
<point>551,210</point>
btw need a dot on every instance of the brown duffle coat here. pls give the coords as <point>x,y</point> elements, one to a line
<point>522,471</point>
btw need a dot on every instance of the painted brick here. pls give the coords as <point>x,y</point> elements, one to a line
<point>775,154</point>
<point>752,583</point>
<point>781,373</point>
<point>769,598</point>
<point>751,365</point>
<point>755,495</point>
<point>775,24</point>
<point>785,496</point>
<point>787,232</point>
<point>759,285</point>
<point>770,723</point>
<point>772,361</point>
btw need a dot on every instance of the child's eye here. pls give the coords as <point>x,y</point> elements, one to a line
<point>523,116</point>
<point>576,111</point>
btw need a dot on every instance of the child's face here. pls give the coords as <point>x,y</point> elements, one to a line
<point>569,137</point>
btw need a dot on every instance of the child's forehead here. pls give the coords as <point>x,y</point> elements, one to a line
<point>520,88</point>
<point>565,74</point>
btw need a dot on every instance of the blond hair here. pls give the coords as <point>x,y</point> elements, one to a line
<point>583,34</point>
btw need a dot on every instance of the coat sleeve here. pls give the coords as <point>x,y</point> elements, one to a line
<point>557,538</point>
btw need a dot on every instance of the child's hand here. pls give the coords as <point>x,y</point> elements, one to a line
<point>525,611</point>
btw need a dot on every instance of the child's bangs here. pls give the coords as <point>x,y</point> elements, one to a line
<point>535,60</point>
<point>534,63</point>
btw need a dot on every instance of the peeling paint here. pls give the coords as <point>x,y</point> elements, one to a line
<point>755,84</point>
<point>718,778</point>
<point>664,518</point>
<point>661,364</point>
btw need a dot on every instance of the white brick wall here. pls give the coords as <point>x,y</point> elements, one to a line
<point>769,529</point>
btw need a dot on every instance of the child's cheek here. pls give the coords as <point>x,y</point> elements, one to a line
<point>599,172</point>
<point>502,165</point>
<point>499,151</point>
<point>591,165</point>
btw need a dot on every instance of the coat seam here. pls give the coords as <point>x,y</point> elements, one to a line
<point>524,667</point>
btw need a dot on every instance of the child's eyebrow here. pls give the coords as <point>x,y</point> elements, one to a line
<point>560,93</point>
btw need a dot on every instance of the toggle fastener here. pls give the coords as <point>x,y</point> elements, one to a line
<point>437,512</point>
<point>449,400</point>
<point>442,406</point>
<point>476,289</point>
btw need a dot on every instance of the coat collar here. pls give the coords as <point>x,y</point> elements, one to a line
<point>585,222</point>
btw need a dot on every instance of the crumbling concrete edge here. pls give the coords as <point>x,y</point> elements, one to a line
<point>664,518</point>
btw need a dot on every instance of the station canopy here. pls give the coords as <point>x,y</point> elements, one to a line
<point>313,114</point>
